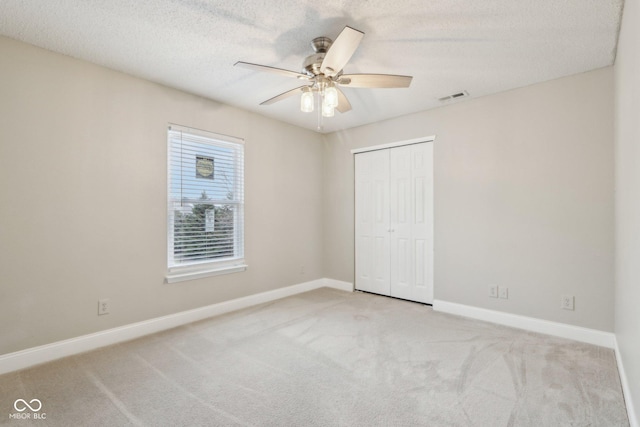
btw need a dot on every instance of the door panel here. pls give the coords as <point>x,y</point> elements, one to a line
<point>401,213</point>
<point>372,222</point>
<point>422,226</point>
<point>411,174</point>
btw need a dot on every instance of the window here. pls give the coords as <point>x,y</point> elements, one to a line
<point>206,204</point>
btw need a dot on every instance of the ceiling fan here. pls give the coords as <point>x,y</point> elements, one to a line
<point>323,71</point>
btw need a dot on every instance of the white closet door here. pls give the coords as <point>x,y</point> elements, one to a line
<point>394,222</point>
<point>401,226</point>
<point>372,222</point>
<point>411,222</point>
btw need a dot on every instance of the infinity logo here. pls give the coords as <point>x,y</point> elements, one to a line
<point>26,405</point>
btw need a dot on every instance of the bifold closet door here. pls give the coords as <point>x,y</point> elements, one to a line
<point>372,222</point>
<point>411,222</point>
<point>394,222</point>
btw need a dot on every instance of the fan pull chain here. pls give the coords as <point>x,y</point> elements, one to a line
<point>319,110</point>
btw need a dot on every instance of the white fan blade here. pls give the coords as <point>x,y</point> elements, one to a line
<point>343,103</point>
<point>274,70</point>
<point>283,95</point>
<point>341,51</point>
<point>374,80</point>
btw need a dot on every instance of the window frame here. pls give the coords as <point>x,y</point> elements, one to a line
<point>207,267</point>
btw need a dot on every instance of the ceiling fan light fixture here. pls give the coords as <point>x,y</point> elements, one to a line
<point>306,101</point>
<point>331,96</point>
<point>327,110</point>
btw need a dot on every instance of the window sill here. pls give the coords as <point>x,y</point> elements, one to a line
<point>181,276</point>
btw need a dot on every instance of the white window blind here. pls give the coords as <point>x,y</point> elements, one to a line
<point>206,199</point>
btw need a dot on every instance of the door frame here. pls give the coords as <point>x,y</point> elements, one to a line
<point>431,138</point>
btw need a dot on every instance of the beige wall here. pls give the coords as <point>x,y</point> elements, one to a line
<point>83,158</point>
<point>627,157</point>
<point>523,197</point>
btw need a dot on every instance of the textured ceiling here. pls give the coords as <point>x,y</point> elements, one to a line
<point>482,47</point>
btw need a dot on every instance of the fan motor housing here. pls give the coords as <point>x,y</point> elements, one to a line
<point>312,63</point>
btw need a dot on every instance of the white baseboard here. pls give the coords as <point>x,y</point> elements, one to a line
<point>48,352</point>
<point>626,391</point>
<point>577,333</point>
<point>338,284</point>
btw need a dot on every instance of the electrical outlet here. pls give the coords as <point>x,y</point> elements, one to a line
<point>103,306</point>
<point>493,291</point>
<point>566,302</point>
<point>302,270</point>
<point>503,292</point>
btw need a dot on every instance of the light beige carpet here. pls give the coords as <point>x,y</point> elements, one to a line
<point>328,358</point>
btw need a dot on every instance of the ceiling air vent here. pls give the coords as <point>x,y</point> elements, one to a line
<point>459,95</point>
